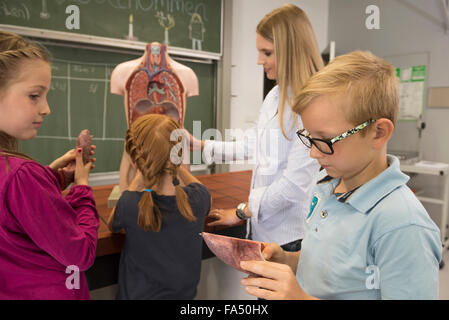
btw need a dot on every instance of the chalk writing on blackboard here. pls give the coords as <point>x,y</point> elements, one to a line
<point>169,6</point>
<point>18,10</point>
<point>166,22</point>
<point>196,31</point>
<point>44,13</point>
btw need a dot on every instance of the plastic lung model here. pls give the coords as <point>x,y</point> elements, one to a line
<point>155,88</point>
<point>233,250</point>
<point>67,174</point>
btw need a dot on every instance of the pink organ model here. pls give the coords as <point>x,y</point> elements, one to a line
<point>67,174</point>
<point>233,250</point>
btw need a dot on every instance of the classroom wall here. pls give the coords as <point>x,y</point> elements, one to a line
<point>410,30</point>
<point>246,76</point>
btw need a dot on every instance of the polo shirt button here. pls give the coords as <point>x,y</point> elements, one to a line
<point>324,214</point>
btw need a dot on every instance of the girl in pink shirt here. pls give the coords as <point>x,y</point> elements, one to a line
<point>46,241</point>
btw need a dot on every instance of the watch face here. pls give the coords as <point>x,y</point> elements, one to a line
<point>240,214</point>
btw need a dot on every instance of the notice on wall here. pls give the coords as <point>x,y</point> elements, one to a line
<point>411,91</point>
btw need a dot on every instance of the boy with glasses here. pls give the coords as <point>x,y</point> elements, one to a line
<point>367,236</point>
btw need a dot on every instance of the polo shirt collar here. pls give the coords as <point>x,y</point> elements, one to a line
<point>365,197</point>
<point>368,195</point>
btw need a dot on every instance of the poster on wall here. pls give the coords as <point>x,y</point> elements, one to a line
<point>411,91</point>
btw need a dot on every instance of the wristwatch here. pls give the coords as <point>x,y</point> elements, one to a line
<point>240,212</point>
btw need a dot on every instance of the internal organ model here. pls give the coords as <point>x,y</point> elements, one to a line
<point>67,174</point>
<point>155,88</point>
<point>234,250</point>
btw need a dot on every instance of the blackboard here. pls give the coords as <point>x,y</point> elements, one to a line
<point>80,99</point>
<point>190,24</point>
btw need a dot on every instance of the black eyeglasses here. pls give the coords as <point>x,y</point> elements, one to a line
<point>325,146</point>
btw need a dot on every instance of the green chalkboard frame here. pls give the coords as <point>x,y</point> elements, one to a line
<point>80,99</point>
<point>191,27</point>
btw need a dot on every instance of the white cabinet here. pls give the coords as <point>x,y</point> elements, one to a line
<point>440,171</point>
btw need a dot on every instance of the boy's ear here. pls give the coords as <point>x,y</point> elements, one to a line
<point>383,129</point>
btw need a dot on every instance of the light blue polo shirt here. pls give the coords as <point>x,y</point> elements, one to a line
<point>376,242</point>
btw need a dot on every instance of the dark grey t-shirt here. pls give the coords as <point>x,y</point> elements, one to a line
<point>165,264</point>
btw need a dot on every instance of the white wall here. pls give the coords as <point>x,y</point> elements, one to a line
<point>409,29</point>
<point>247,76</point>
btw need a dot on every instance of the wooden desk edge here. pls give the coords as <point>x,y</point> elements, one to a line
<point>112,243</point>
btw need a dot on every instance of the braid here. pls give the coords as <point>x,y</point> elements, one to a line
<point>182,201</point>
<point>13,49</point>
<point>149,148</point>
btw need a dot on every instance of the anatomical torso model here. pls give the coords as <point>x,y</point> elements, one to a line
<point>154,83</point>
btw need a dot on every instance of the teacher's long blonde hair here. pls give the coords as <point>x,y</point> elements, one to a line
<point>296,50</point>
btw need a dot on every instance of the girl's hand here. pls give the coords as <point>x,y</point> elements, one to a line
<point>276,281</point>
<point>82,170</point>
<point>63,161</point>
<point>223,217</point>
<point>69,157</point>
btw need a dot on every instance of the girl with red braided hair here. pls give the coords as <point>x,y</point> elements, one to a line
<point>162,213</point>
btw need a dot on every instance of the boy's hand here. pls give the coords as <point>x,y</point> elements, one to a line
<point>276,281</point>
<point>274,253</point>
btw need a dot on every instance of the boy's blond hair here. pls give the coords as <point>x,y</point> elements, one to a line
<point>369,82</point>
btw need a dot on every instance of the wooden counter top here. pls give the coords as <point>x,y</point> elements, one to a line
<point>227,191</point>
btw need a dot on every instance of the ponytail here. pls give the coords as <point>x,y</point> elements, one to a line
<point>149,217</point>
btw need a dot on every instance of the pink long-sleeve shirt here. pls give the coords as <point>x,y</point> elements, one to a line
<point>43,235</point>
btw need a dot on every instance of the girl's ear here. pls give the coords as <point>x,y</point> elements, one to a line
<point>383,129</point>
